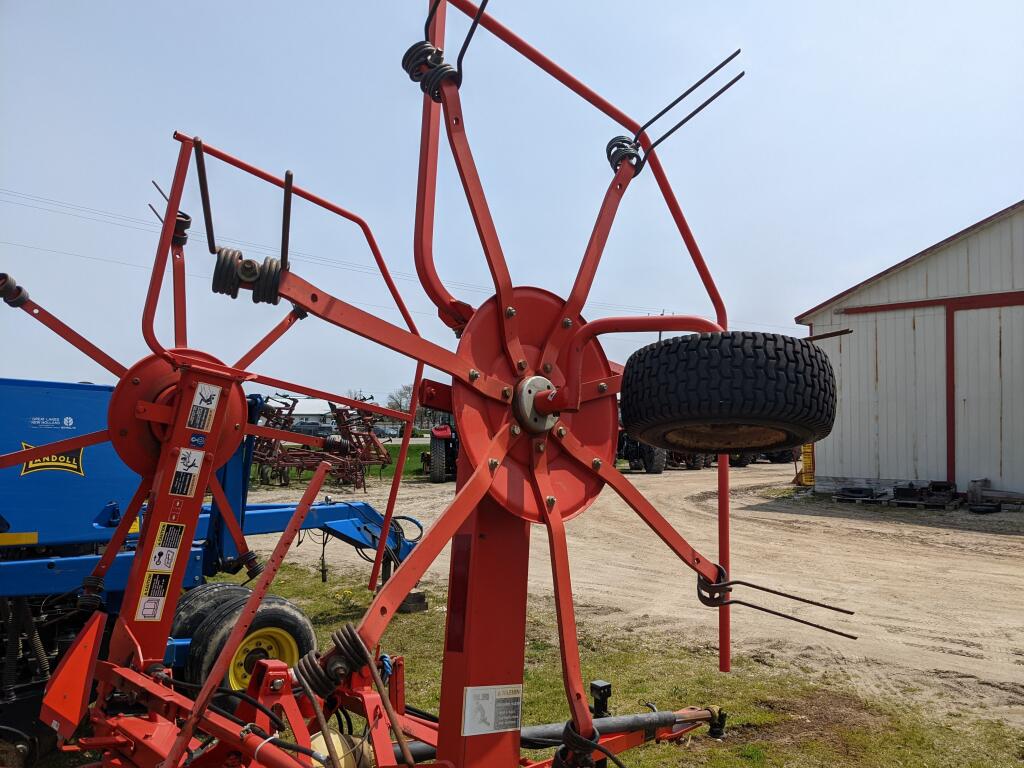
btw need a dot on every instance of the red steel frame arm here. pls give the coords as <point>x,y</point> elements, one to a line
<point>131,513</point>
<point>456,127</point>
<point>227,514</point>
<point>268,341</point>
<point>60,446</point>
<point>344,315</point>
<point>330,396</point>
<point>383,607</point>
<point>396,481</point>
<point>644,509</point>
<point>517,43</point>
<point>453,313</point>
<point>568,641</point>
<point>163,247</point>
<point>71,336</point>
<point>588,266</point>
<point>568,397</point>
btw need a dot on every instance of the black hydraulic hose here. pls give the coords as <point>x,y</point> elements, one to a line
<point>278,723</point>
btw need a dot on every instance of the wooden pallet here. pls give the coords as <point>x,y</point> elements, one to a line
<point>859,499</point>
<point>911,504</point>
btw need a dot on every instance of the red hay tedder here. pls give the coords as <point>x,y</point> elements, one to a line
<point>535,404</point>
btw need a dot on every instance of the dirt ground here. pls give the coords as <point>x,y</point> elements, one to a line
<point>939,596</point>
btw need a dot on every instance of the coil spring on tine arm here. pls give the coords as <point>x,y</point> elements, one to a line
<point>265,288</point>
<point>622,149</point>
<point>225,272</point>
<point>421,54</point>
<point>316,677</point>
<point>12,293</point>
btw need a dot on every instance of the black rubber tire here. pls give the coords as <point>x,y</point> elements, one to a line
<point>740,460</point>
<point>728,392</point>
<point>654,459</point>
<point>196,604</point>
<point>438,470</point>
<point>211,635</point>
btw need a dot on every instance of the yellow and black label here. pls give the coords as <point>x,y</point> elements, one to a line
<point>154,595</point>
<point>68,461</point>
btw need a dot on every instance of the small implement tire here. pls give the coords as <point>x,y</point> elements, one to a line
<point>728,392</point>
<point>196,604</point>
<point>654,459</point>
<point>438,470</point>
<point>279,630</point>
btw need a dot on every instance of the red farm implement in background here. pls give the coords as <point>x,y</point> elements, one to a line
<point>535,404</point>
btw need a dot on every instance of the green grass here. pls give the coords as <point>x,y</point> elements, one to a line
<point>779,717</point>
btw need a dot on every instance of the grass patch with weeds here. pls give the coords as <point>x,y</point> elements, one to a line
<point>778,717</point>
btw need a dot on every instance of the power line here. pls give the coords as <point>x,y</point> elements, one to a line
<point>298,255</point>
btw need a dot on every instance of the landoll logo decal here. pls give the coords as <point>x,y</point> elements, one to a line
<point>68,461</point>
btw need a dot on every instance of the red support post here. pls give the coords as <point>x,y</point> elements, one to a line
<point>178,277</point>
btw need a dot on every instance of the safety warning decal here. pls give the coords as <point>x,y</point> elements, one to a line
<point>204,406</point>
<point>165,549</point>
<point>491,709</point>
<point>154,594</point>
<point>186,473</point>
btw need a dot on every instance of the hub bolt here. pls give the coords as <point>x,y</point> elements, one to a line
<point>562,431</point>
<point>521,365</point>
<point>596,463</point>
<point>135,380</point>
<point>492,463</point>
<point>510,312</point>
<point>566,322</point>
<point>547,367</point>
<point>551,501</point>
<point>474,374</point>
<point>540,447</point>
<point>516,429</point>
<point>277,685</point>
<point>506,392</point>
<point>602,387</point>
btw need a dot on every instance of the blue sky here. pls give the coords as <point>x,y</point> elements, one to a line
<point>861,133</point>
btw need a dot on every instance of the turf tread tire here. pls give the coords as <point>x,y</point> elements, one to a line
<point>737,378</point>
<point>438,470</point>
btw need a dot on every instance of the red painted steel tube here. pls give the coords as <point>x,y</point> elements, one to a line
<point>178,276</point>
<point>268,341</point>
<point>453,313</point>
<point>344,315</point>
<point>518,44</point>
<point>724,617</point>
<point>227,514</point>
<point>588,266</point>
<point>371,241</point>
<point>272,433</point>
<point>391,594</point>
<point>643,508</point>
<point>396,481</point>
<point>455,125</point>
<point>568,641</point>
<point>162,249</point>
<point>60,446</point>
<point>252,604</point>
<point>330,396</point>
<point>568,397</point>
<point>131,513</point>
<point>74,338</point>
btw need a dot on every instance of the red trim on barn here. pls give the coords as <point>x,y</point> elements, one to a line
<point>951,305</point>
<point>906,262</point>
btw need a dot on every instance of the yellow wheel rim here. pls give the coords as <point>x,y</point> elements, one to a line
<point>265,643</point>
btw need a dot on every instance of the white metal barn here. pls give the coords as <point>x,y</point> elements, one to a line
<point>931,379</point>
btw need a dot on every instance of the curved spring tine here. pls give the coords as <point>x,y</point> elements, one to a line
<point>791,618</point>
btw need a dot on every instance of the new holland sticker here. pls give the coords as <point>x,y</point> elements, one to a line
<point>154,594</point>
<point>68,461</point>
<point>186,473</point>
<point>165,549</point>
<point>204,407</point>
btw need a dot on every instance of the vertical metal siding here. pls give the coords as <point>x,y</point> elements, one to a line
<point>891,422</point>
<point>990,397</point>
